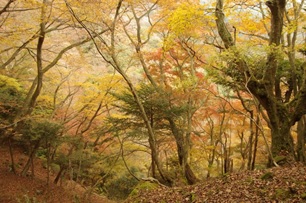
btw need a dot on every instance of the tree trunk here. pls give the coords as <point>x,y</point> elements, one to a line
<point>211,159</point>
<point>282,142</point>
<point>266,89</point>
<point>153,167</point>
<point>59,174</point>
<point>30,160</point>
<point>183,148</point>
<point>250,154</point>
<point>255,143</point>
<point>48,145</point>
<point>301,132</point>
<point>11,154</point>
<point>29,106</point>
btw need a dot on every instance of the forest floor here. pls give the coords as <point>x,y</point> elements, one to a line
<point>275,185</point>
<point>17,189</point>
<point>279,184</point>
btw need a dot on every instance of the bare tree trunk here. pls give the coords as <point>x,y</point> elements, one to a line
<point>59,174</point>
<point>30,160</point>
<point>301,131</point>
<point>11,154</point>
<point>41,38</point>
<point>48,161</point>
<point>153,167</point>
<point>251,138</point>
<point>255,143</point>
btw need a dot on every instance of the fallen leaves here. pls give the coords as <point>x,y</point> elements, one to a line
<point>286,184</point>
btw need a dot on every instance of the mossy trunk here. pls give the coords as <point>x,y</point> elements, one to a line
<point>282,144</point>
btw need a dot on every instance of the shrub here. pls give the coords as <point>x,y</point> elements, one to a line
<point>121,187</point>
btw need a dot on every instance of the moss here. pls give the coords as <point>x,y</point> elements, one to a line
<point>282,194</point>
<point>280,159</point>
<point>250,180</point>
<point>261,192</point>
<point>143,186</point>
<point>303,196</point>
<point>27,199</point>
<point>267,176</point>
<point>192,197</point>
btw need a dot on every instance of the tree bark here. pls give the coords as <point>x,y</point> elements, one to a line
<point>11,154</point>
<point>183,148</point>
<point>59,174</point>
<point>301,132</point>
<point>251,138</point>
<point>255,143</point>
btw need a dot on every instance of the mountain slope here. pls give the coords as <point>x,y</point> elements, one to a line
<point>15,188</point>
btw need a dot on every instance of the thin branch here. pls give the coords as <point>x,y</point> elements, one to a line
<point>125,164</point>
<point>6,6</point>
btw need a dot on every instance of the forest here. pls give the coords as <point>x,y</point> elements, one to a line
<point>114,93</point>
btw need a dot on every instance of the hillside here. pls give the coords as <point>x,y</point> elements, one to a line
<point>270,185</point>
<point>286,184</point>
<point>17,189</point>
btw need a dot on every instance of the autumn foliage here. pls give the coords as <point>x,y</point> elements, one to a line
<point>109,93</point>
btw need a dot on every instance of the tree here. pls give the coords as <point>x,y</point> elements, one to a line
<point>265,80</point>
<point>37,39</point>
<point>111,53</point>
<point>173,71</point>
<point>11,100</point>
<point>35,132</point>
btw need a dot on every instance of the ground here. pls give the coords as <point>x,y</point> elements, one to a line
<point>286,184</point>
<point>18,189</point>
<point>279,184</point>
